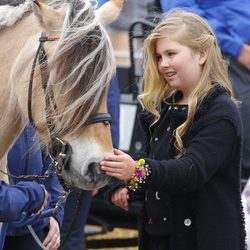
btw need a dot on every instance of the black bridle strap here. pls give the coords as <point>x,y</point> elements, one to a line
<point>49,98</point>
<point>43,61</point>
<point>100,117</point>
<point>31,88</point>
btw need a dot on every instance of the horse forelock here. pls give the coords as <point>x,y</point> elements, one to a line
<point>81,66</point>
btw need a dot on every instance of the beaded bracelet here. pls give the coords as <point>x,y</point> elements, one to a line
<point>140,175</point>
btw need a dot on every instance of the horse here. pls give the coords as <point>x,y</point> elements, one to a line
<point>56,64</point>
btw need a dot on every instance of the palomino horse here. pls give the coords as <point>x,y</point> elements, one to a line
<point>61,88</point>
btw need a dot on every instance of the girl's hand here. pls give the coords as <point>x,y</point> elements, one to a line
<point>52,240</point>
<point>120,165</point>
<point>120,198</point>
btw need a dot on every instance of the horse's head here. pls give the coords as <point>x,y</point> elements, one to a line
<point>77,73</point>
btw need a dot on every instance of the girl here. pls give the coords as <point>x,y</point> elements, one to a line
<point>190,177</point>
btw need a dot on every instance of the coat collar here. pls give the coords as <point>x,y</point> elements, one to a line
<point>147,118</point>
<point>206,102</point>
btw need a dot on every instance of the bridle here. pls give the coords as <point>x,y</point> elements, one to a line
<point>59,150</point>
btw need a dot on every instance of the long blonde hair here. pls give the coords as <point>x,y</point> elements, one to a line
<point>192,31</point>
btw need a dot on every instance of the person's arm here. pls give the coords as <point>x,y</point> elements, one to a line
<point>229,28</point>
<point>208,151</point>
<point>190,5</point>
<point>29,197</point>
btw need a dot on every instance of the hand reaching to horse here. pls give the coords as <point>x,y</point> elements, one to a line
<point>120,165</point>
<point>52,240</point>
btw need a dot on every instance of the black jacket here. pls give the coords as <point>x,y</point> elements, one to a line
<point>195,199</point>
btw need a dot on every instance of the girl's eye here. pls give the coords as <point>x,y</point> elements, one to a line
<point>158,58</point>
<point>171,53</point>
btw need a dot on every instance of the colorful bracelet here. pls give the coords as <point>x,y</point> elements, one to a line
<point>140,175</point>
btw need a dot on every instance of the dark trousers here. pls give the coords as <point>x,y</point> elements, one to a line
<point>24,242</point>
<point>240,78</point>
<point>75,240</point>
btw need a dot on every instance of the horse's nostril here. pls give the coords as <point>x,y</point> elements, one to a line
<point>92,171</point>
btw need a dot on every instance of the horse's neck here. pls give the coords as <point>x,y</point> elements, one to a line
<point>12,41</point>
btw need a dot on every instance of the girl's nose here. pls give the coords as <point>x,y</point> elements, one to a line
<point>164,62</point>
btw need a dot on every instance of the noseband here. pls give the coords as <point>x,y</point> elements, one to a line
<point>59,150</point>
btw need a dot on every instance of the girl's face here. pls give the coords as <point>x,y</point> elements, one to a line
<point>180,66</point>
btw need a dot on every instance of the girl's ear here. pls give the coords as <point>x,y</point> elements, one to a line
<point>203,56</point>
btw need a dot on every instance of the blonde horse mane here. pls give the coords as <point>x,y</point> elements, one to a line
<point>80,66</point>
<point>85,54</point>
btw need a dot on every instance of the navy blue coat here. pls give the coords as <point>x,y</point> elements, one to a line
<point>25,158</point>
<point>15,199</point>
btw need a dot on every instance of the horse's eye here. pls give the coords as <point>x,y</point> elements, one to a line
<point>56,147</point>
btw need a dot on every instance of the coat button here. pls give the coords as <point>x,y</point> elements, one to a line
<point>187,222</point>
<point>165,219</point>
<point>168,128</point>
<point>156,139</point>
<point>157,197</point>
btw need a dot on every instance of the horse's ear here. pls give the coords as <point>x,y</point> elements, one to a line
<point>50,19</point>
<point>110,11</point>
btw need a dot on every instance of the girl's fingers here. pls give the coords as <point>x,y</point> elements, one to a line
<point>110,164</point>
<point>120,198</point>
<point>124,201</point>
<point>118,152</point>
<point>115,158</point>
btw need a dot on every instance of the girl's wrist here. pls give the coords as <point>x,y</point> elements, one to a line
<point>141,173</point>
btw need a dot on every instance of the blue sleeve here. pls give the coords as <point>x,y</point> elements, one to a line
<point>238,24</point>
<point>230,27</point>
<point>55,189</point>
<point>22,197</point>
<point>101,2</point>
<point>190,5</point>
<point>114,110</point>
